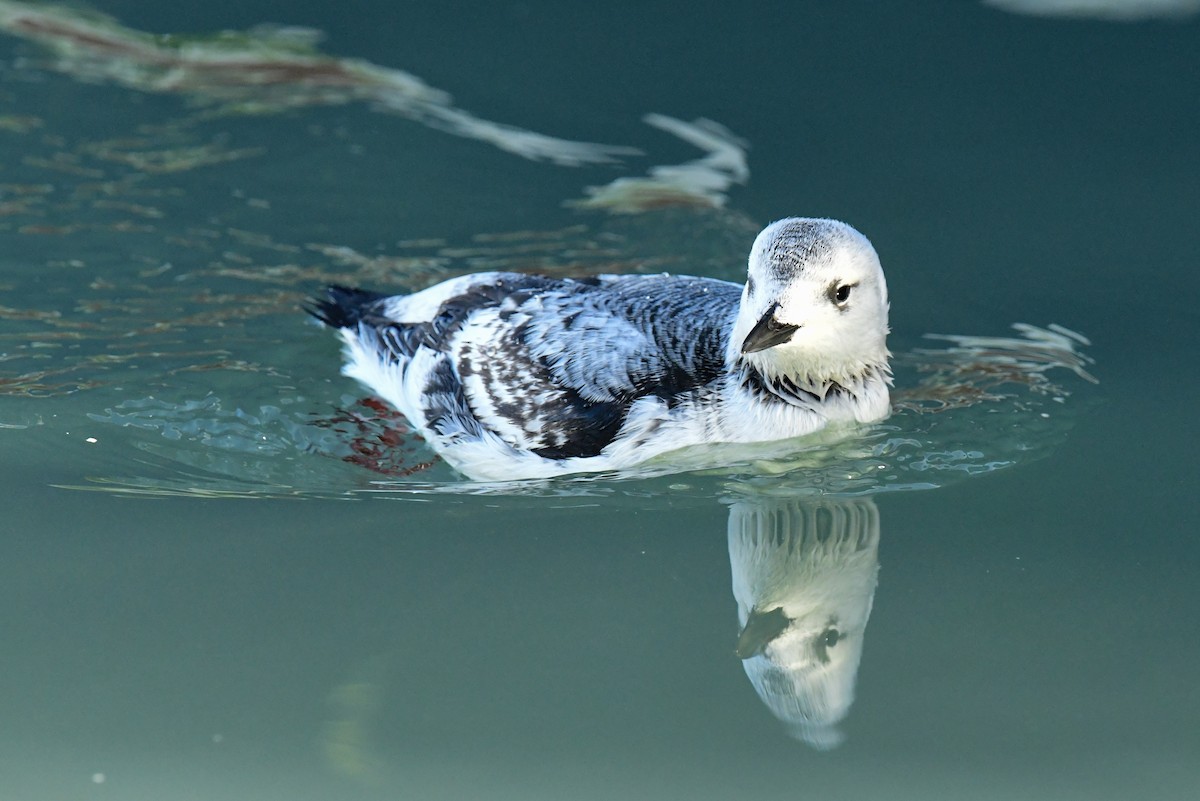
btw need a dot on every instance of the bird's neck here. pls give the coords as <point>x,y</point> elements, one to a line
<point>808,389</point>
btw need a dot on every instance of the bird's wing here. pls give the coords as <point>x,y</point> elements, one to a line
<point>551,365</point>
<point>557,372</point>
<point>635,335</point>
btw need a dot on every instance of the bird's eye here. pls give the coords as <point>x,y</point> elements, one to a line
<point>839,293</point>
<point>823,642</point>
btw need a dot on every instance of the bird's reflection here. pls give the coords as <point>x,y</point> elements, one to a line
<point>804,572</point>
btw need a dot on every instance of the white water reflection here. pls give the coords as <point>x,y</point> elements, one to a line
<point>1112,10</point>
<point>804,573</point>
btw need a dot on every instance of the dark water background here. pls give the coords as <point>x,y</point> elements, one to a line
<point>299,635</point>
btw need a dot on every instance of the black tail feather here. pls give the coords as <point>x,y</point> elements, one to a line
<point>342,306</point>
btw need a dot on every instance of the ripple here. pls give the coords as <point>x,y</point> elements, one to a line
<point>984,404</point>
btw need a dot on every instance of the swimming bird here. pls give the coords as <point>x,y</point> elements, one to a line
<point>513,376</point>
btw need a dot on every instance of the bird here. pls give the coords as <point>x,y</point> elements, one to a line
<point>513,376</point>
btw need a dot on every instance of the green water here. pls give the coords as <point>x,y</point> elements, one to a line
<point>224,577</point>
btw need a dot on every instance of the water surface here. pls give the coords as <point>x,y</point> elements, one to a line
<point>226,576</point>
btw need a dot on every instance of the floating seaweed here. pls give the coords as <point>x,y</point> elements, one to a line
<point>976,368</point>
<point>265,70</point>
<point>701,183</point>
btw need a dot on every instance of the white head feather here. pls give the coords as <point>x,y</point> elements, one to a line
<point>815,306</point>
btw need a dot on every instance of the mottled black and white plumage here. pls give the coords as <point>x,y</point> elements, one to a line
<point>516,376</point>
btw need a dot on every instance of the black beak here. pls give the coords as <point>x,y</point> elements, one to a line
<point>768,332</point>
<point>760,629</point>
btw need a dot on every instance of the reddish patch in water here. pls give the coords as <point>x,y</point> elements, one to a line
<point>378,437</point>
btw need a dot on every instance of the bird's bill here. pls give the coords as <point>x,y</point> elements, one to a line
<point>760,629</point>
<point>767,333</point>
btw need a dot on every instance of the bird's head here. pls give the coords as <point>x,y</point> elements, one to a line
<point>815,303</point>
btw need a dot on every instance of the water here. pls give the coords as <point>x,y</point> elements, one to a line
<point>226,576</point>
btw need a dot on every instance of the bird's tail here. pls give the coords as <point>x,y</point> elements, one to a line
<point>342,306</point>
